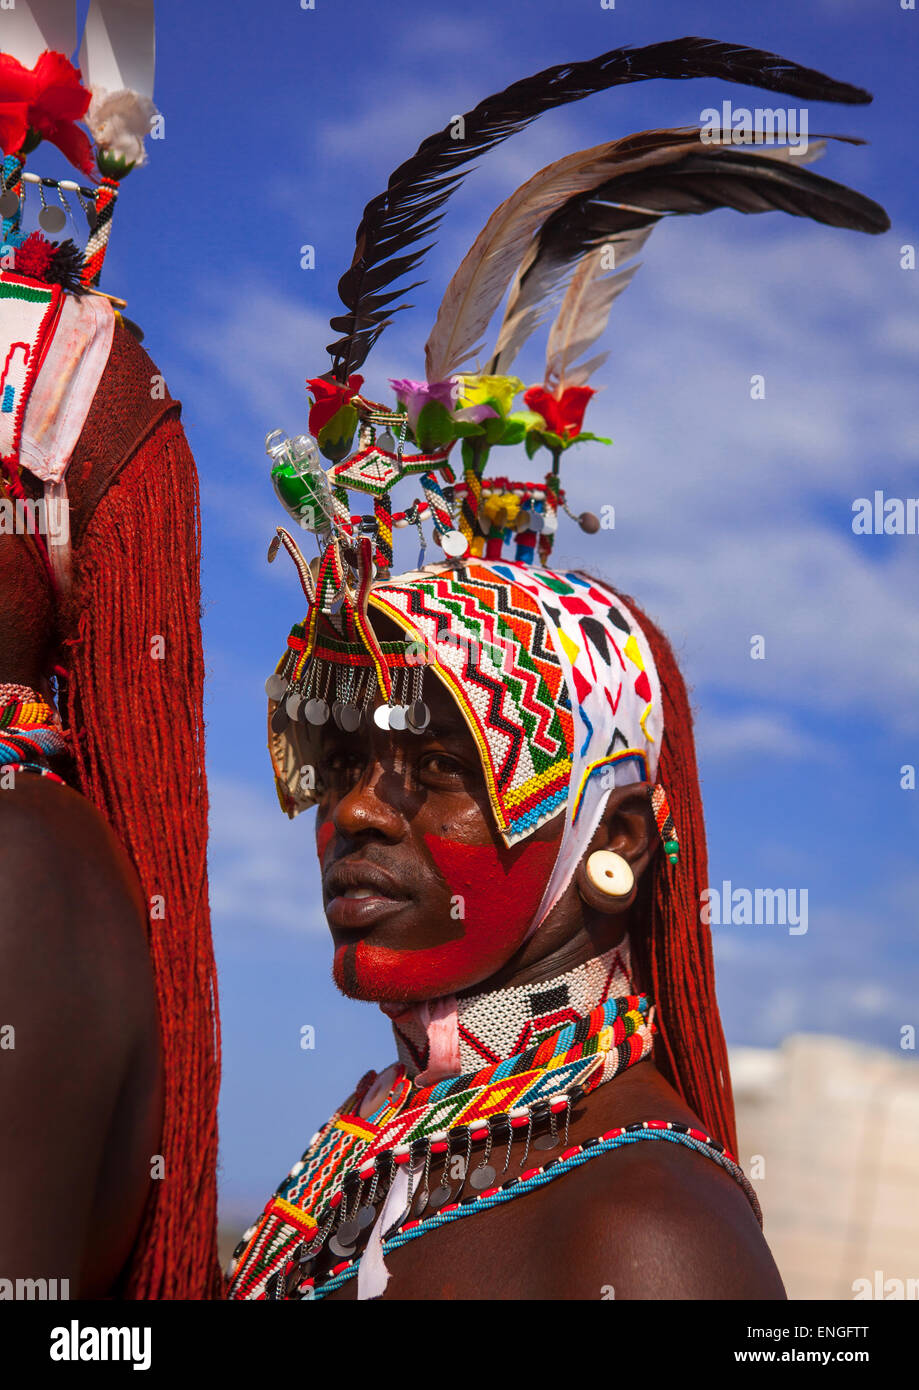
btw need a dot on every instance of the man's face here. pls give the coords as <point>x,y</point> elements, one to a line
<point>422,896</point>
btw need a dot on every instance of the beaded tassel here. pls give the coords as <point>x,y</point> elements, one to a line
<point>382,509</point>
<point>665,825</point>
<point>440,512</point>
<point>12,183</point>
<point>471,503</point>
<point>96,246</point>
<point>550,510</point>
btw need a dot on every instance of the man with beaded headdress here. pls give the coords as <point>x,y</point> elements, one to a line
<point>509,825</point>
<point>108,1086</point>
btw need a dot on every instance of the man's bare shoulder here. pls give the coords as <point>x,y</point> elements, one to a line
<point>655,1219</point>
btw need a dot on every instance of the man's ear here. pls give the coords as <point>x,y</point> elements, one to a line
<point>629,830</point>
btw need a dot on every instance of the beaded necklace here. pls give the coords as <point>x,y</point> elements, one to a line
<point>502,1022</point>
<point>296,1281</point>
<point>351,1163</point>
<point>31,734</point>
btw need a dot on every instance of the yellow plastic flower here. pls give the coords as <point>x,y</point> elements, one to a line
<point>499,390</point>
<point>501,508</point>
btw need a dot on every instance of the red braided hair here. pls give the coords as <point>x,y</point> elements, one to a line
<point>674,961</point>
<point>138,732</point>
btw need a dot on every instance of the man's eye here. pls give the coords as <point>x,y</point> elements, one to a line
<point>441,766</point>
<point>337,764</point>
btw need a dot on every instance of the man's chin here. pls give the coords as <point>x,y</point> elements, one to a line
<point>387,990</point>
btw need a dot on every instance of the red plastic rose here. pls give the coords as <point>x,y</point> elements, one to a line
<point>47,99</point>
<point>329,397</point>
<point>564,415</point>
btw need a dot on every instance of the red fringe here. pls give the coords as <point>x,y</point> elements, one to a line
<point>139,743</point>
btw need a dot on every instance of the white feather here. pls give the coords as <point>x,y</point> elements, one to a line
<point>583,316</point>
<point>476,289</point>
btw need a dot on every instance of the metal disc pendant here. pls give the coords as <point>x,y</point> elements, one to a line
<point>439,1198</point>
<point>336,711</point>
<point>294,704</point>
<point>454,544</point>
<point>381,716</point>
<point>348,1233</point>
<point>349,718</point>
<point>280,720</point>
<point>273,548</point>
<point>417,717</point>
<point>276,688</point>
<point>366,1216</point>
<point>52,219</point>
<point>9,204</point>
<point>420,1201</point>
<point>482,1178</point>
<point>545,1141</point>
<point>338,1248</point>
<point>397,717</point>
<point>537,521</point>
<point>316,711</point>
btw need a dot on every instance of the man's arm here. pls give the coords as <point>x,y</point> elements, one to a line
<point>76,1003</point>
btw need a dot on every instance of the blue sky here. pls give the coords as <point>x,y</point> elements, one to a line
<point>733,515</point>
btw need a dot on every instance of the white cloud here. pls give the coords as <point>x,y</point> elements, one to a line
<point>729,736</point>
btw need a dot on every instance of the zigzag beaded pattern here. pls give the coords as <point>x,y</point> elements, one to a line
<point>518,708</point>
<point>611,1038</point>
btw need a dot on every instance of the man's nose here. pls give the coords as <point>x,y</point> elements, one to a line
<point>365,807</point>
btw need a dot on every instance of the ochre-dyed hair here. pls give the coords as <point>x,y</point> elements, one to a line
<point>673,963</point>
<point>134,707</point>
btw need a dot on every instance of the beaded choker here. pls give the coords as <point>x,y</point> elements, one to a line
<point>353,1164</point>
<point>501,1023</point>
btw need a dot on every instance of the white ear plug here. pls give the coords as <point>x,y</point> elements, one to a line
<point>610,873</point>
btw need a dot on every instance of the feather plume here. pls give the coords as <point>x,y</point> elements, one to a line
<point>583,316</point>
<point>411,206</point>
<point>697,178</point>
<point>479,283</point>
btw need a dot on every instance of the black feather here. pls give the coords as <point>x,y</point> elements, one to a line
<point>409,207</point>
<point>718,176</point>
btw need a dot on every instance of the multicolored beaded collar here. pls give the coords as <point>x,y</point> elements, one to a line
<point>332,1194</point>
<point>31,735</point>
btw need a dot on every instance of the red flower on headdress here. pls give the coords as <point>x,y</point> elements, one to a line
<point>329,397</point>
<point>47,99</point>
<point>564,415</point>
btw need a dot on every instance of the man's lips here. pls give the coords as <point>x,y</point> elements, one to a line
<point>358,894</point>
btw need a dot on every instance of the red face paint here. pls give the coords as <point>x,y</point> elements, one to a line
<point>494,896</point>
<point>323,836</point>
